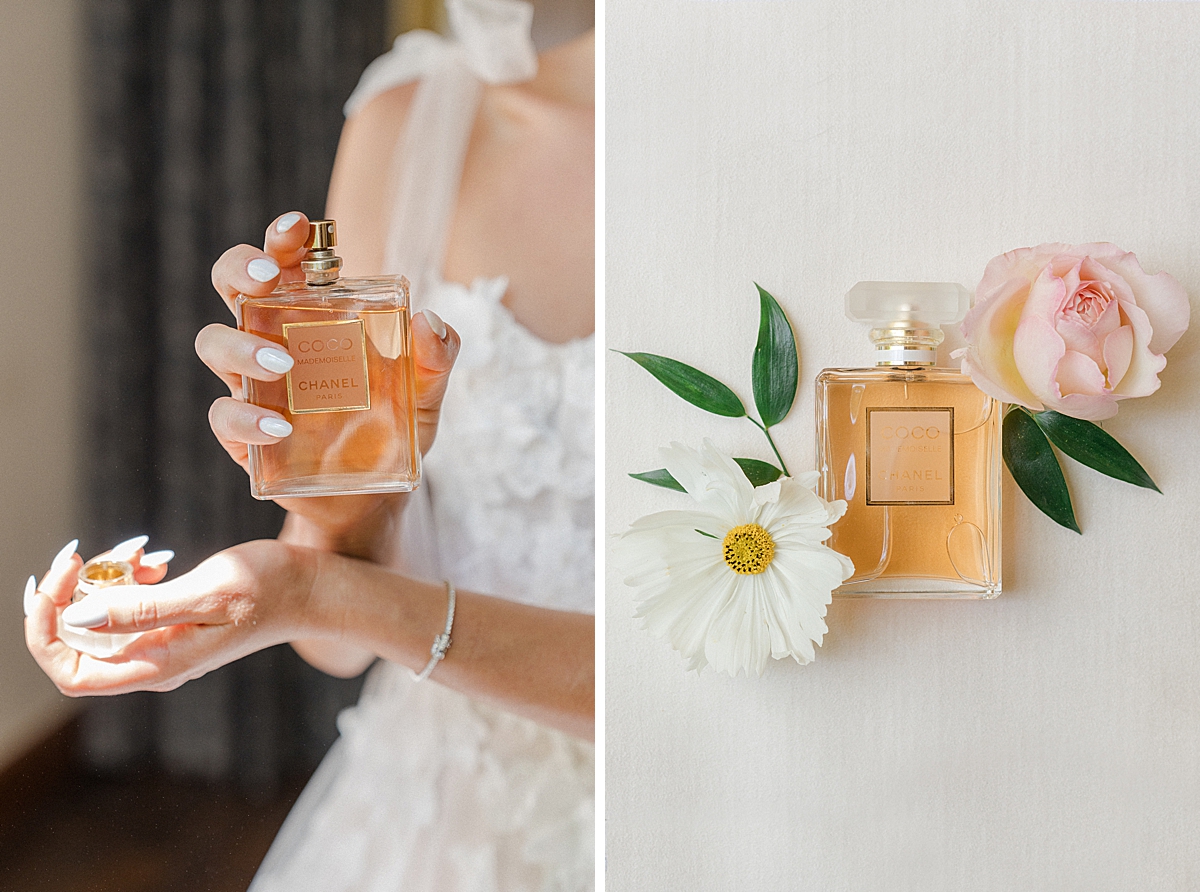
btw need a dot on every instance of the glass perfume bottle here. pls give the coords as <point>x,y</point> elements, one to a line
<point>95,575</point>
<point>915,452</point>
<point>351,395</point>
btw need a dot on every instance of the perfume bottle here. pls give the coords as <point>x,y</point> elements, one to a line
<point>915,452</point>
<point>351,395</point>
<point>95,575</point>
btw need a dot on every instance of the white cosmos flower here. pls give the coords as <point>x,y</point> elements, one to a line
<point>743,576</point>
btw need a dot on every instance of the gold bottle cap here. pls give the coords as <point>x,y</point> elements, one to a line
<point>322,235</point>
<point>320,264</point>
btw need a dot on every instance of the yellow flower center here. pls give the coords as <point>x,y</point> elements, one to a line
<point>749,549</point>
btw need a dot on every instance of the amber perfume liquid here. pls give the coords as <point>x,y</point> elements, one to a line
<point>351,394</point>
<point>915,452</point>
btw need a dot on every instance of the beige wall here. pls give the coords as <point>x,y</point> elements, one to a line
<point>40,203</point>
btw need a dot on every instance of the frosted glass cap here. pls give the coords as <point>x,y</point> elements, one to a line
<point>932,304</point>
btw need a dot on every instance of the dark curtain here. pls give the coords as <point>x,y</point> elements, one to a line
<point>207,119</point>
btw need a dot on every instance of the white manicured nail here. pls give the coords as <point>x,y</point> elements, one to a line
<point>274,360</point>
<point>261,270</point>
<point>127,549</point>
<point>30,594</point>
<point>286,222</point>
<point>435,323</point>
<point>86,614</point>
<point>64,555</point>
<point>274,427</point>
<point>157,558</point>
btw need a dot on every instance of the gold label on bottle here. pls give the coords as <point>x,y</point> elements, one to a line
<point>330,374</point>
<point>910,456</point>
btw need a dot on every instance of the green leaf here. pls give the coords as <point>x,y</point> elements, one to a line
<point>759,473</point>
<point>1035,467</point>
<point>1089,444</point>
<point>692,384</point>
<point>776,367</point>
<point>662,477</point>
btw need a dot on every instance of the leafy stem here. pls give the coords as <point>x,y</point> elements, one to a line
<point>774,371</point>
<point>774,448</point>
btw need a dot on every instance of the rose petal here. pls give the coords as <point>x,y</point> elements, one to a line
<point>1086,406</point>
<point>1110,319</point>
<point>971,366</point>
<point>989,328</point>
<point>1047,296</point>
<point>1118,351</point>
<point>1037,347</point>
<point>1079,337</point>
<point>1067,269</point>
<point>1079,374</point>
<point>1141,378</point>
<point>1023,264</point>
<point>1163,299</point>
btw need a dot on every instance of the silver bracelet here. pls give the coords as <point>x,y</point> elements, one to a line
<point>441,643</point>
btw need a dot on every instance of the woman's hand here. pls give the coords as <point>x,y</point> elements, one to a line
<point>238,601</point>
<point>533,661</point>
<point>232,354</point>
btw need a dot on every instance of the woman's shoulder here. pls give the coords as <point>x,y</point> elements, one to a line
<point>358,197</point>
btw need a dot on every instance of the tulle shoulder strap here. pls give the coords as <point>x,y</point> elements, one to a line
<point>491,44</point>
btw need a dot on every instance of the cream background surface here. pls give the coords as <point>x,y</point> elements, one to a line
<point>1049,740</point>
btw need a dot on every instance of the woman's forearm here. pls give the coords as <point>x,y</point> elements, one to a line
<point>533,661</point>
<point>366,540</point>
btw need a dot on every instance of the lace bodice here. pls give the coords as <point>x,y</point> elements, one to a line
<point>511,476</point>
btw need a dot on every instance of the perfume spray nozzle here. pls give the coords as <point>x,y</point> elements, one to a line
<point>321,266</point>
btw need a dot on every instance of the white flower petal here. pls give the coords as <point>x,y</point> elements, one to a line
<point>684,613</point>
<point>797,505</point>
<point>710,614</point>
<point>767,493</point>
<point>714,480</point>
<point>687,520</point>
<point>808,479</point>
<point>734,636</point>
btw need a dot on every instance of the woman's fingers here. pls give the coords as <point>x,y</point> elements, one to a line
<point>287,239</point>
<point>59,582</point>
<point>435,347</point>
<point>244,270</point>
<point>41,637</point>
<point>234,421</point>
<point>129,550</point>
<point>232,354</point>
<point>156,661</point>
<point>160,660</point>
<point>139,608</point>
<point>30,594</point>
<point>152,567</point>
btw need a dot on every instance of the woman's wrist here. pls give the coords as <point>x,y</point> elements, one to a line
<point>372,608</point>
<point>366,536</point>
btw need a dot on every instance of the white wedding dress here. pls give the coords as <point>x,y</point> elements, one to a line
<point>427,789</point>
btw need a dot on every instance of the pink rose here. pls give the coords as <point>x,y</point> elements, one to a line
<point>1072,328</point>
